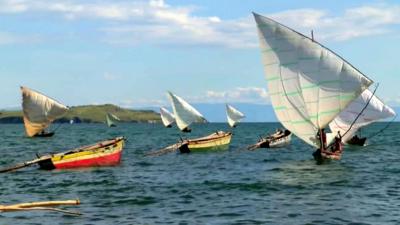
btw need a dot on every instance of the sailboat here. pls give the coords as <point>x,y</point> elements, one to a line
<point>233,115</point>
<point>111,120</point>
<point>309,84</point>
<point>366,109</point>
<point>39,112</point>
<point>185,115</point>
<point>167,118</point>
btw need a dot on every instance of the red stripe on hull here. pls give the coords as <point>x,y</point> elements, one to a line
<point>109,160</point>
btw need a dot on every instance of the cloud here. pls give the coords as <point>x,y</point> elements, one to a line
<point>157,22</point>
<point>7,38</point>
<point>110,77</point>
<point>256,95</point>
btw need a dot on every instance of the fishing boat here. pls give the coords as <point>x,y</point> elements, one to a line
<point>185,115</point>
<point>166,117</point>
<point>233,115</point>
<point>309,84</point>
<point>39,111</point>
<point>111,120</point>
<point>104,153</point>
<point>276,140</point>
<point>366,109</point>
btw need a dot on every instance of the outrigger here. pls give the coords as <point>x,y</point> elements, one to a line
<point>276,140</point>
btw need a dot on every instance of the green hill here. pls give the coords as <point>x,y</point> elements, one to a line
<point>91,114</point>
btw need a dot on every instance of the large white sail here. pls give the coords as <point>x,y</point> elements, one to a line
<point>39,111</point>
<point>374,110</point>
<point>234,116</point>
<point>184,113</point>
<point>166,116</point>
<point>309,84</point>
<point>112,120</point>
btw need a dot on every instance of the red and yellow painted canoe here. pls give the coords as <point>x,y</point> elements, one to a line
<point>105,153</point>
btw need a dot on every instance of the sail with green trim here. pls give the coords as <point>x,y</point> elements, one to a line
<point>112,120</point>
<point>309,84</point>
<point>366,109</point>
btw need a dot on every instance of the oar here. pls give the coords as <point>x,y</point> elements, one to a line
<point>253,147</point>
<point>41,206</point>
<point>25,164</point>
<point>165,150</point>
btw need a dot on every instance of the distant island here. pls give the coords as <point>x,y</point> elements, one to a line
<point>91,114</point>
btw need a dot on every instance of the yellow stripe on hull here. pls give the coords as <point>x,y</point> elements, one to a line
<point>90,152</point>
<point>221,142</point>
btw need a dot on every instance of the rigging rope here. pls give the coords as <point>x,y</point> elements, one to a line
<point>381,130</point>
<point>358,116</point>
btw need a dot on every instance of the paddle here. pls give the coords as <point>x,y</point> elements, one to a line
<point>41,206</point>
<point>25,164</point>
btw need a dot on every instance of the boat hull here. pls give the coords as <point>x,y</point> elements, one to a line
<point>217,141</point>
<point>107,153</point>
<point>278,143</point>
<point>50,134</point>
<point>357,141</point>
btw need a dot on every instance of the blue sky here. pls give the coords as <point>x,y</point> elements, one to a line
<point>131,52</point>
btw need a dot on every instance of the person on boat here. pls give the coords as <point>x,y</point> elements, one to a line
<point>321,135</point>
<point>322,143</point>
<point>338,146</point>
<point>187,130</point>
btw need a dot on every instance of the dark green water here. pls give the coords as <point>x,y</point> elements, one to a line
<point>229,187</point>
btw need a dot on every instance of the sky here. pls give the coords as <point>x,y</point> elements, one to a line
<point>129,53</point>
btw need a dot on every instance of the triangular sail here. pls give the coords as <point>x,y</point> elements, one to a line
<point>184,113</point>
<point>112,119</point>
<point>166,116</point>
<point>309,84</point>
<point>234,116</point>
<point>375,110</point>
<point>39,111</point>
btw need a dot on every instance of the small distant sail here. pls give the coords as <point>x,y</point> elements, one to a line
<point>309,84</point>
<point>39,111</point>
<point>376,110</point>
<point>166,116</point>
<point>112,120</point>
<point>234,115</point>
<point>184,113</point>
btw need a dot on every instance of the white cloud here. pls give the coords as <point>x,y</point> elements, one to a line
<point>110,76</point>
<point>255,95</point>
<point>156,22</point>
<point>7,38</point>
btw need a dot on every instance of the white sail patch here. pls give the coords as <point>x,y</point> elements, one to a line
<point>166,116</point>
<point>234,116</point>
<point>184,113</point>
<point>374,111</point>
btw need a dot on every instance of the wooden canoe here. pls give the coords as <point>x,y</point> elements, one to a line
<point>219,140</point>
<point>105,153</point>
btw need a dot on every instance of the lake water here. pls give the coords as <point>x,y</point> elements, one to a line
<point>282,186</point>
